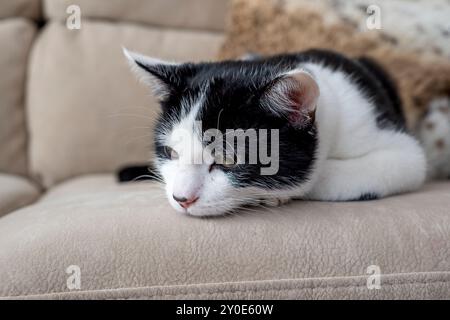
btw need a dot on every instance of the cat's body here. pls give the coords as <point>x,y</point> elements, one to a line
<point>364,150</point>
<point>342,135</point>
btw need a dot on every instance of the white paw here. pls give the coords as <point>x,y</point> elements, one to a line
<point>274,202</point>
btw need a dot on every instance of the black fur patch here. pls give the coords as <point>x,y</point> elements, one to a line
<point>390,111</point>
<point>239,108</point>
<point>137,173</point>
<point>367,197</point>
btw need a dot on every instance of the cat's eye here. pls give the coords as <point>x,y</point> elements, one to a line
<point>170,153</point>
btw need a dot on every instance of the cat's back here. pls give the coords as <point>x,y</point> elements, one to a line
<point>366,75</point>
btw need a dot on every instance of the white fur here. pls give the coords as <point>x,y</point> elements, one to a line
<point>355,156</point>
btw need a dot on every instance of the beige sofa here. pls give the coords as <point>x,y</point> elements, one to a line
<point>71,113</point>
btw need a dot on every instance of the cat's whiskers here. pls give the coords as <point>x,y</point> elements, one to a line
<point>149,110</point>
<point>139,116</point>
<point>143,176</point>
<point>133,139</point>
<point>140,128</point>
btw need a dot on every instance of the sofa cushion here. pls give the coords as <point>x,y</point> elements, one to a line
<point>15,192</point>
<point>16,36</point>
<point>20,8</point>
<point>128,243</point>
<point>87,111</point>
<point>165,13</point>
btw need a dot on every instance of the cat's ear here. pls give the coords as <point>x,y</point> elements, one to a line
<point>158,74</point>
<point>293,95</point>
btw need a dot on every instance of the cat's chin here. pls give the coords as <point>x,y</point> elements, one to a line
<point>199,211</point>
<point>204,212</point>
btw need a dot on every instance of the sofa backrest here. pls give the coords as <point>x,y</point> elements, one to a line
<point>17,32</point>
<point>30,9</point>
<point>183,14</point>
<point>86,111</point>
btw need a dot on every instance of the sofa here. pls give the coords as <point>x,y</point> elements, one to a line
<point>71,114</point>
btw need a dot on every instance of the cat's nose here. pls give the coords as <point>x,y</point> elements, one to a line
<point>185,202</point>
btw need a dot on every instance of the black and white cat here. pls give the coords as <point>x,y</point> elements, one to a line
<point>341,131</point>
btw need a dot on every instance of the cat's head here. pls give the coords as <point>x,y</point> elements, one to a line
<point>231,133</point>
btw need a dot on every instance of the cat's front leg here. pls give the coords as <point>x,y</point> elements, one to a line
<point>374,175</point>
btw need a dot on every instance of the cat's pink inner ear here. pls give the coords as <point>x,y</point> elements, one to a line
<point>302,95</point>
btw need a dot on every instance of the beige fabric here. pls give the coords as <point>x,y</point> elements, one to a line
<point>23,8</point>
<point>15,192</point>
<point>129,243</point>
<point>196,14</point>
<point>431,285</point>
<point>16,36</point>
<point>87,111</point>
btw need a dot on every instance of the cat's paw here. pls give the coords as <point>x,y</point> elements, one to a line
<point>275,202</point>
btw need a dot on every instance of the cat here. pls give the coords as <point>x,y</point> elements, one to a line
<point>341,131</point>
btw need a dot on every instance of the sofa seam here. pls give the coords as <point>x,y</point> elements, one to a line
<point>218,291</point>
<point>138,24</point>
<point>282,289</point>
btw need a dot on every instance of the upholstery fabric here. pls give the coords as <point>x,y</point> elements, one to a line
<point>16,36</point>
<point>20,8</point>
<point>87,112</point>
<point>129,243</point>
<point>15,192</point>
<point>192,14</point>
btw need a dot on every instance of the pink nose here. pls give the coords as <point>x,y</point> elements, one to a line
<point>184,202</point>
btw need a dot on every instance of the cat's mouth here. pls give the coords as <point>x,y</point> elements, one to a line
<point>222,208</point>
<point>188,203</point>
<point>198,209</point>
